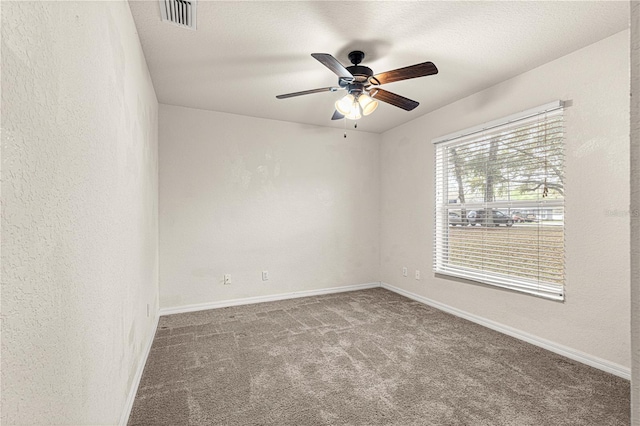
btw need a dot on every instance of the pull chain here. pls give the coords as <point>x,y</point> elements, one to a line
<point>345,127</point>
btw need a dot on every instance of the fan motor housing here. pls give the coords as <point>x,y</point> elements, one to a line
<point>361,74</point>
<point>360,71</point>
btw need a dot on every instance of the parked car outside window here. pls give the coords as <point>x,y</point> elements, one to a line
<point>455,219</point>
<point>480,217</point>
<point>518,217</point>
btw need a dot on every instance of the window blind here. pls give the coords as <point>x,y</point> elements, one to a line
<point>499,197</point>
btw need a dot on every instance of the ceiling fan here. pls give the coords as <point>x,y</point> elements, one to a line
<point>361,85</point>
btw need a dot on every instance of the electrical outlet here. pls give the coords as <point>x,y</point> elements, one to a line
<point>417,274</point>
<point>405,271</point>
<point>227,279</point>
<point>265,275</point>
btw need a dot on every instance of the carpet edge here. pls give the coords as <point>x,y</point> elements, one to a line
<point>579,356</point>
<point>267,298</point>
<point>126,413</point>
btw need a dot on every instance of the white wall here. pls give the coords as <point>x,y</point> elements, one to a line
<point>239,195</point>
<point>595,317</point>
<point>635,207</point>
<point>79,211</point>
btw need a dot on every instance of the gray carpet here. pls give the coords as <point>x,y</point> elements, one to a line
<point>368,357</point>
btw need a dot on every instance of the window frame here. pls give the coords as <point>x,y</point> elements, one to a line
<point>441,264</point>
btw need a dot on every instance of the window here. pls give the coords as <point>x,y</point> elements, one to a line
<point>499,196</point>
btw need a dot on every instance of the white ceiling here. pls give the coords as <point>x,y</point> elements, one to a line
<point>243,54</point>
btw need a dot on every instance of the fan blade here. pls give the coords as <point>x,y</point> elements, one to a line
<point>337,116</point>
<point>335,66</point>
<point>393,99</point>
<point>308,92</point>
<point>413,71</point>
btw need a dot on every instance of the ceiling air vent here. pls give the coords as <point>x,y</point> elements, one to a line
<point>179,12</point>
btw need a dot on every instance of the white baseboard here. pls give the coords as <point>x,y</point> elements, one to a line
<point>261,299</point>
<point>573,354</point>
<point>124,418</point>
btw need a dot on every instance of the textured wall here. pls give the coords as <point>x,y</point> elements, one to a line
<point>239,195</point>
<point>635,206</point>
<point>595,317</point>
<point>79,218</point>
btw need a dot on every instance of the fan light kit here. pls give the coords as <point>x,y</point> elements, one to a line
<point>360,83</point>
<point>354,108</point>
